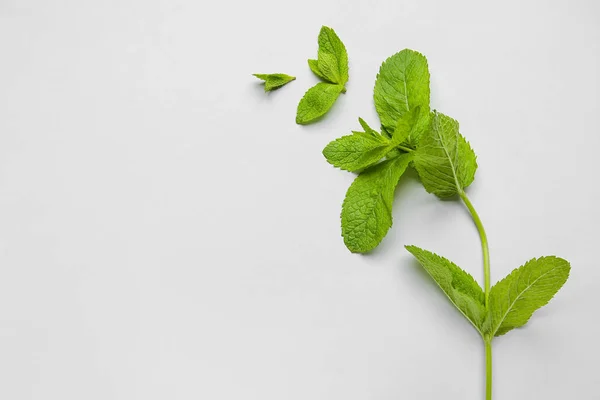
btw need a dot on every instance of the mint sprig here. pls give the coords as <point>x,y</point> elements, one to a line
<point>412,135</point>
<point>331,67</point>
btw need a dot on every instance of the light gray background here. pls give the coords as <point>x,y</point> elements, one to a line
<point>168,232</point>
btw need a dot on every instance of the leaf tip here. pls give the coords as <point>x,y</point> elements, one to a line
<point>411,248</point>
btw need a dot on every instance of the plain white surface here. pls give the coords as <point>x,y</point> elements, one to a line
<point>168,232</point>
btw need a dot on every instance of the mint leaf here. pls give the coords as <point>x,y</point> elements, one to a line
<point>367,208</point>
<point>274,81</point>
<point>401,85</point>
<point>333,58</point>
<point>444,159</point>
<point>357,151</point>
<point>363,149</point>
<point>460,287</point>
<point>314,67</point>
<point>515,298</point>
<point>317,101</point>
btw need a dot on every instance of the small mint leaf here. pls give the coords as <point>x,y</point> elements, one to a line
<point>316,102</point>
<point>274,81</point>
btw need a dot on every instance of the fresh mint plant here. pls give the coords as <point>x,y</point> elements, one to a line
<point>413,136</point>
<point>274,81</point>
<point>331,67</point>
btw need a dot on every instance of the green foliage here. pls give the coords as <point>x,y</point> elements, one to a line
<point>317,101</point>
<point>401,98</point>
<point>367,208</point>
<point>460,287</point>
<point>444,159</point>
<point>332,67</point>
<point>515,298</point>
<point>274,81</point>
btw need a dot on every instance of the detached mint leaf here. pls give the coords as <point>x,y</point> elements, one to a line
<point>444,159</point>
<point>314,67</point>
<point>367,208</point>
<point>460,287</point>
<point>274,81</point>
<point>333,57</point>
<point>515,298</point>
<point>403,84</point>
<point>331,66</point>
<point>317,101</point>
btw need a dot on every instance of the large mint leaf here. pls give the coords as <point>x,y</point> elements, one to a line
<point>403,84</point>
<point>367,209</point>
<point>444,159</point>
<point>515,298</point>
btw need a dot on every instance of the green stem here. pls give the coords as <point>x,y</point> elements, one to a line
<point>486,285</point>
<point>488,369</point>
<point>484,246</point>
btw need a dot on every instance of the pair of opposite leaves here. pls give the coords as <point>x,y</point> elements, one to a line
<point>430,141</point>
<point>331,66</point>
<point>512,301</point>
